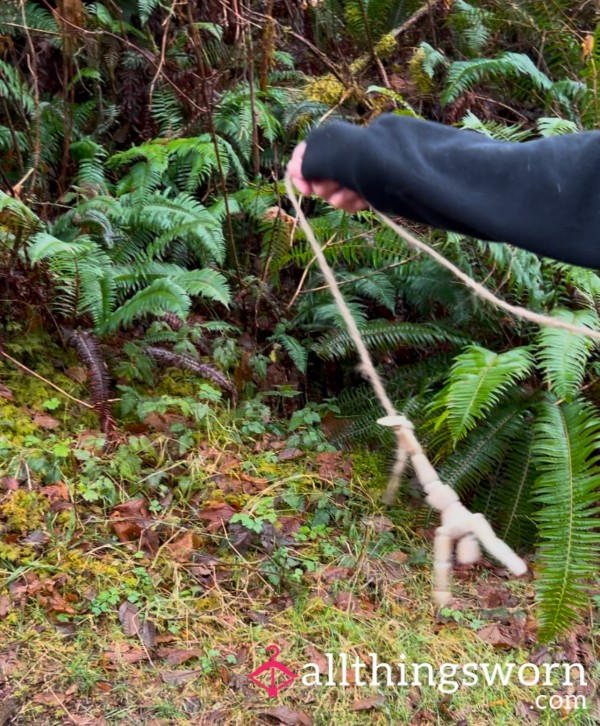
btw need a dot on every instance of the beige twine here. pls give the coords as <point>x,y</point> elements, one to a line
<point>458,524</point>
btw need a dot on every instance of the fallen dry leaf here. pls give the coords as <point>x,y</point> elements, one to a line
<point>347,601</point>
<point>500,636</point>
<point>58,492</point>
<point>181,547</point>
<point>334,465</point>
<point>54,602</point>
<point>289,454</point>
<point>366,704</point>
<point>123,654</point>
<point>217,514</point>
<point>133,626</point>
<point>45,422</point>
<point>379,523</point>
<point>332,574</point>
<point>130,619</point>
<point>131,522</point>
<point>7,709</point>
<point>314,656</point>
<point>289,717</point>
<point>177,656</point>
<point>4,605</point>
<point>9,483</point>
<point>163,421</point>
<point>5,392</point>
<point>148,633</point>
<point>178,678</point>
<point>527,712</point>
<point>36,539</point>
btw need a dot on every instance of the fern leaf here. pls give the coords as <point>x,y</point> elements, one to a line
<point>566,445</point>
<point>162,296</point>
<point>508,500</point>
<point>295,350</point>
<point>477,381</point>
<point>563,355</point>
<point>44,246</point>
<point>207,283</point>
<point>463,75</point>
<point>481,452</point>
<point>382,335</point>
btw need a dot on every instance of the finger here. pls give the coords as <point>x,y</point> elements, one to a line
<point>343,198</point>
<point>295,164</point>
<point>358,205</point>
<point>325,188</point>
<point>302,185</point>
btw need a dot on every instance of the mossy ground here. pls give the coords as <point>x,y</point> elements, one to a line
<point>315,565</point>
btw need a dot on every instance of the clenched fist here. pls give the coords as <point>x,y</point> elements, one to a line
<point>329,190</point>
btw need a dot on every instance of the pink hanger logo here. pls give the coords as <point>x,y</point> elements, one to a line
<point>272,669</point>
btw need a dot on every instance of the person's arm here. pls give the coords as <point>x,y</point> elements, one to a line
<point>541,195</point>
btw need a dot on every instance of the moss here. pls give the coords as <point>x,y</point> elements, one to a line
<point>78,564</point>
<point>386,46</point>
<point>417,72</point>
<point>328,90</point>
<point>19,424</point>
<point>24,511</point>
<point>12,552</point>
<point>360,64</point>
<point>178,383</point>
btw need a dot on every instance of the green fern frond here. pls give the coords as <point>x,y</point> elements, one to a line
<point>146,8</point>
<point>471,25</point>
<point>16,217</point>
<point>563,355</point>
<point>98,293</point>
<point>167,112</point>
<point>508,500</point>
<point>480,453</point>
<point>38,20</point>
<point>386,336</point>
<point>478,380</point>
<point>44,245</point>
<point>184,218</point>
<point>151,162</point>
<point>552,126</point>
<point>586,282</point>
<point>162,296</point>
<point>14,89</point>
<point>567,491</point>
<point>376,286</point>
<point>207,283</point>
<point>463,75</point>
<point>297,352</point>
<point>495,129</point>
<point>90,157</point>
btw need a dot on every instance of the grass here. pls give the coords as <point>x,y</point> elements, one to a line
<point>314,564</point>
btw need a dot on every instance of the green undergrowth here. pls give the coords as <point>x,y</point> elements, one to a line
<point>223,541</point>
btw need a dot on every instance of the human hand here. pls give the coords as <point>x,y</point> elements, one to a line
<point>329,190</point>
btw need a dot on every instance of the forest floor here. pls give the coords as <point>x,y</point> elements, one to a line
<point>142,583</point>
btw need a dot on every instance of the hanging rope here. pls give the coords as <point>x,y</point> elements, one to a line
<point>458,524</point>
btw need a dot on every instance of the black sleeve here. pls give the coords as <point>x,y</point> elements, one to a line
<point>541,195</point>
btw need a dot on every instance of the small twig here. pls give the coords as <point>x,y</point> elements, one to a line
<point>4,354</point>
<point>415,17</point>
<point>32,64</point>
<point>16,190</point>
<point>374,57</point>
<point>163,51</point>
<point>362,277</point>
<point>305,274</point>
